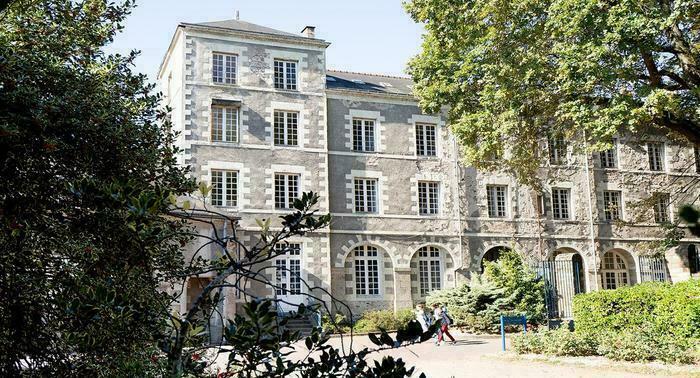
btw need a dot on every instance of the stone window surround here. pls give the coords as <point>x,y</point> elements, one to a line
<point>428,176</point>
<point>243,191</point>
<point>303,123</point>
<point>600,200</point>
<point>379,134</point>
<point>426,119</point>
<point>207,115</point>
<point>382,190</point>
<point>573,198</point>
<point>237,64</point>
<point>301,60</point>
<point>304,182</point>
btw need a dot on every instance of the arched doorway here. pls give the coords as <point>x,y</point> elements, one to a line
<point>579,273</point>
<point>617,269</point>
<point>693,259</point>
<point>492,255</point>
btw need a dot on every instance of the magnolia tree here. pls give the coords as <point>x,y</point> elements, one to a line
<point>256,342</point>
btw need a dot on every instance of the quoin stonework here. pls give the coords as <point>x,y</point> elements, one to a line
<point>262,119</point>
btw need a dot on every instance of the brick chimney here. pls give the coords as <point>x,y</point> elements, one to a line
<point>309,31</point>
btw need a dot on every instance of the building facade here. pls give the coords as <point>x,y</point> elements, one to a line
<point>261,119</point>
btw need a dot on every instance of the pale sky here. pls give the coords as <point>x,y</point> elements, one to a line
<point>374,36</point>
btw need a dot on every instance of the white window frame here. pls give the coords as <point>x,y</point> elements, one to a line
<point>497,208</point>
<point>365,256</point>
<point>557,147</point>
<point>430,257</point>
<point>608,158</point>
<point>363,144</point>
<point>228,76</point>
<point>287,128</point>
<point>425,147</point>
<point>286,80</point>
<point>226,133</point>
<point>289,191</point>
<point>227,190</point>
<point>286,283</point>
<point>614,212</point>
<point>362,201</point>
<point>662,208</point>
<point>614,272</point>
<point>561,203</point>
<point>428,198</point>
<point>656,153</point>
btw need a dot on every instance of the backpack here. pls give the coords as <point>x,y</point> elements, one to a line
<point>446,317</point>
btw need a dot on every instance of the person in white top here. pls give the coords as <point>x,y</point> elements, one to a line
<point>441,315</point>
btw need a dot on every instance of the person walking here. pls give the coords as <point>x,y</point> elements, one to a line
<point>422,318</point>
<point>440,313</point>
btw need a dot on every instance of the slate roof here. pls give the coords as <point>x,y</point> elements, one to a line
<point>245,26</point>
<point>364,82</point>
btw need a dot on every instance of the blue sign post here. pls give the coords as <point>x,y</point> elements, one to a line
<point>505,320</point>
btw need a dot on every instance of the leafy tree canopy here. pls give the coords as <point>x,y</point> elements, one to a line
<point>515,72</point>
<point>86,171</point>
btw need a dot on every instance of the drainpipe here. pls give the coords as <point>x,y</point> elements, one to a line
<point>590,212</point>
<point>458,203</point>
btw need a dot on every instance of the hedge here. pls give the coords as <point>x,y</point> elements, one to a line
<point>652,308</point>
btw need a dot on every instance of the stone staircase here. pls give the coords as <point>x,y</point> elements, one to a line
<point>303,325</point>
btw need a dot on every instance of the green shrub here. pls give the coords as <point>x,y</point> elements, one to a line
<point>372,321</point>
<point>339,324</point>
<point>507,287</point>
<point>559,342</point>
<point>652,308</point>
<point>642,346</point>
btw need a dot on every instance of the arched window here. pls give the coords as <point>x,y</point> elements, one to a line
<point>366,270</point>
<point>429,269</point>
<point>693,259</point>
<point>615,273</point>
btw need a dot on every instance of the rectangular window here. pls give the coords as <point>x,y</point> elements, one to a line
<point>608,158</point>
<point>286,190</point>
<point>285,72</point>
<point>425,139</point>
<point>428,197</point>
<point>496,198</point>
<point>656,156</point>
<point>365,195</point>
<point>612,200</point>
<point>557,150</point>
<point>696,149</point>
<point>224,122</point>
<point>224,188</point>
<point>661,208</point>
<point>224,68</point>
<point>539,205</point>
<point>286,128</point>
<point>363,135</point>
<point>561,199</point>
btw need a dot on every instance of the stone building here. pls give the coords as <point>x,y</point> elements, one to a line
<point>262,119</point>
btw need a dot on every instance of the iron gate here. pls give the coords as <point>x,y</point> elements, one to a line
<point>562,280</point>
<point>652,269</point>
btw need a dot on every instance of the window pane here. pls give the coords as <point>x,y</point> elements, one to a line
<point>217,188</point>
<point>231,188</point>
<point>217,123</point>
<point>231,131</point>
<point>230,69</point>
<point>560,203</point>
<point>291,77</point>
<point>279,74</point>
<point>291,125</point>
<point>369,135</point>
<point>218,68</point>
